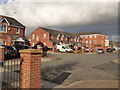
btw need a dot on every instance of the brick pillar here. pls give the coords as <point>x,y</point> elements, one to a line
<point>30,73</point>
<point>76,49</point>
<point>2,53</point>
<point>89,50</point>
<point>83,50</point>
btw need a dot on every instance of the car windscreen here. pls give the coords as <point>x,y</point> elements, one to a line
<point>10,48</point>
<point>100,49</point>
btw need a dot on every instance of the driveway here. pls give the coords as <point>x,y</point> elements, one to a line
<point>77,67</point>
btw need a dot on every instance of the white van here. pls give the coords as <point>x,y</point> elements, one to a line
<point>63,48</point>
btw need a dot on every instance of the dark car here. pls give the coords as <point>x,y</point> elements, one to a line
<point>10,52</point>
<point>109,50</point>
<point>20,47</point>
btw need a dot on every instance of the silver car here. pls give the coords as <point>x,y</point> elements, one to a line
<point>100,51</point>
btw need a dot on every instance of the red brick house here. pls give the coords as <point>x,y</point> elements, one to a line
<point>11,31</point>
<point>48,37</point>
<point>95,40</point>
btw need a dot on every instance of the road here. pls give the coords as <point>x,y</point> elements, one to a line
<point>76,67</point>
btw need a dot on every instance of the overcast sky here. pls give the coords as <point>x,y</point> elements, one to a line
<point>65,16</point>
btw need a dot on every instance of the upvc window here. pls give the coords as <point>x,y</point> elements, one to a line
<point>61,38</point>
<point>57,37</point>
<point>75,39</point>
<point>44,36</point>
<point>66,39</point>
<point>33,37</point>
<point>37,38</point>
<point>95,41</point>
<point>3,28</point>
<point>90,36</point>
<point>90,41</point>
<point>95,36</point>
<point>51,37</point>
<point>33,44</point>
<point>86,41</point>
<point>17,30</point>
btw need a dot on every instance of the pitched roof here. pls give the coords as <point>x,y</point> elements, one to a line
<point>88,33</point>
<point>12,21</point>
<point>54,41</point>
<point>55,32</point>
<point>14,37</point>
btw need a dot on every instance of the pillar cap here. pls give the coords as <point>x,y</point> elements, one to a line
<point>2,47</point>
<point>31,51</point>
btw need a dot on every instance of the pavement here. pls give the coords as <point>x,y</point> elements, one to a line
<point>49,58</point>
<point>115,61</point>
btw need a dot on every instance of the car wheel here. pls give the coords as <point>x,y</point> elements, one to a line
<point>66,51</point>
<point>58,50</point>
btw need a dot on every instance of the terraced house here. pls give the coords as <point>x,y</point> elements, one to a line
<point>11,31</point>
<point>48,37</point>
<point>95,40</point>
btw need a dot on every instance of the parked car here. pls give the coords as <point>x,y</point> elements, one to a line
<point>64,48</point>
<point>87,49</point>
<point>100,51</point>
<point>20,47</point>
<point>10,52</point>
<point>109,50</point>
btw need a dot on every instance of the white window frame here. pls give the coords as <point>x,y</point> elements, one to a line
<point>95,36</point>
<point>95,41</point>
<point>61,38</point>
<point>66,39</point>
<point>33,44</point>
<point>57,37</point>
<point>52,37</point>
<point>37,38</point>
<point>2,28</point>
<point>86,41</point>
<point>18,30</point>
<point>33,36</point>
<point>44,36</point>
<point>90,36</point>
<point>90,41</point>
<point>75,39</point>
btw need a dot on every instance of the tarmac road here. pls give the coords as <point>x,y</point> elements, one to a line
<point>76,67</point>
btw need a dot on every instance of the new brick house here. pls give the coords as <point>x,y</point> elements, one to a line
<point>48,37</point>
<point>11,31</point>
<point>95,40</point>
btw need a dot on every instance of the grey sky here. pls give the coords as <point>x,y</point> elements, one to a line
<point>70,17</point>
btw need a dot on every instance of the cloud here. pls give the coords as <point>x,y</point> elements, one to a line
<point>62,15</point>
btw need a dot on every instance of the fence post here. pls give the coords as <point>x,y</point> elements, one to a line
<point>30,72</point>
<point>2,53</point>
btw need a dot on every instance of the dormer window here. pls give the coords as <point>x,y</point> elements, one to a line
<point>17,30</point>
